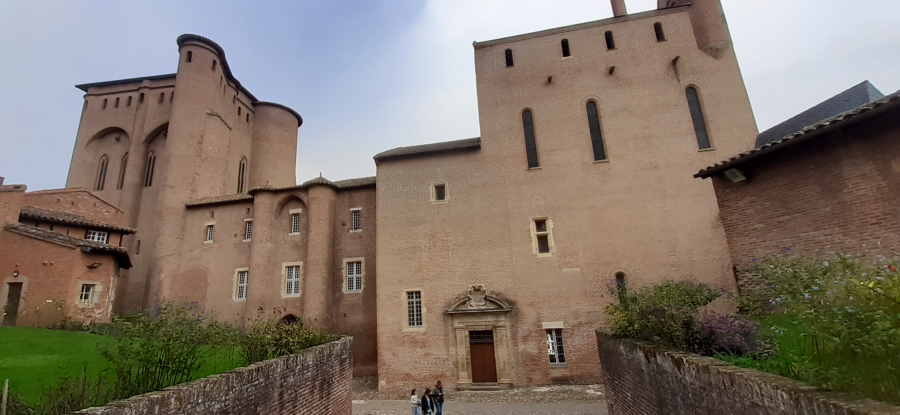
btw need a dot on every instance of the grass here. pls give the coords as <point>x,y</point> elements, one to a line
<point>34,359</point>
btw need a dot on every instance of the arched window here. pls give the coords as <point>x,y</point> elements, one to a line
<point>509,57</point>
<point>151,165</point>
<point>610,42</point>
<point>530,144</point>
<point>214,64</point>
<point>596,135</point>
<point>242,174</point>
<point>565,48</point>
<point>660,35</point>
<point>104,103</point>
<point>121,181</point>
<point>101,173</point>
<point>693,100</point>
<point>117,103</point>
<point>190,55</point>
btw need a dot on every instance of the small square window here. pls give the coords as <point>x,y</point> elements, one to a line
<point>248,230</point>
<point>86,295</point>
<point>440,192</point>
<point>97,236</point>
<point>210,232</point>
<point>555,349</point>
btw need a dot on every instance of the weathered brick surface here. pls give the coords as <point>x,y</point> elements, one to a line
<point>642,379</point>
<point>317,381</point>
<point>78,201</point>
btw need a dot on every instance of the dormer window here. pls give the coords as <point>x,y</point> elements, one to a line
<point>97,236</point>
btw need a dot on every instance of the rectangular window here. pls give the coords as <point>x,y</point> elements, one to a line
<point>414,308</point>
<point>248,230</point>
<point>292,280</point>
<point>97,236</point>
<point>555,349</point>
<point>542,235</point>
<point>210,232</point>
<point>440,192</point>
<point>242,282</point>
<point>355,220</point>
<point>295,223</point>
<point>354,276</point>
<point>86,295</point>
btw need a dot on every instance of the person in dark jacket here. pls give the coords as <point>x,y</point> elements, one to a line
<point>437,398</point>
<point>427,404</point>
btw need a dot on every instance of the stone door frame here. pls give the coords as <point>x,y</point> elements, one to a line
<point>502,356</point>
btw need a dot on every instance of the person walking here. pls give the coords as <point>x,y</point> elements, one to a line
<point>414,401</point>
<point>437,398</point>
<point>427,406</point>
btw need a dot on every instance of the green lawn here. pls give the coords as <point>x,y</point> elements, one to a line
<point>34,359</point>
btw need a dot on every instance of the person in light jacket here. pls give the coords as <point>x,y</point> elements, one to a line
<point>427,404</point>
<point>414,401</point>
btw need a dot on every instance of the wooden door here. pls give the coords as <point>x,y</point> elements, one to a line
<point>12,304</point>
<point>484,367</point>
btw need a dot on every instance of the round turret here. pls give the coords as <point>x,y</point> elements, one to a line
<point>273,154</point>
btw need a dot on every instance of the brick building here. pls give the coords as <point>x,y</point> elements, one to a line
<point>56,264</point>
<point>494,254</point>
<point>826,180</point>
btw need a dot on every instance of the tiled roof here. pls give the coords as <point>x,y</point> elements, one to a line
<point>423,149</point>
<point>215,200</point>
<point>36,213</point>
<point>861,94</point>
<point>317,180</point>
<point>800,136</point>
<point>87,246</point>
<point>354,183</point>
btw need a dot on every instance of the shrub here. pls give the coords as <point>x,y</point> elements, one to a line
<point>264,340</point>
<point>734,335</point>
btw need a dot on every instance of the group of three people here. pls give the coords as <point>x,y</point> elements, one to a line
<point>431,402</point>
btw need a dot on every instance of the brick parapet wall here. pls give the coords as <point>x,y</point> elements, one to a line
<point>317,381</point>
<point>644,379</point>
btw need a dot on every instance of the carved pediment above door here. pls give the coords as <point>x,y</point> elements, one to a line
<point>477,300</point>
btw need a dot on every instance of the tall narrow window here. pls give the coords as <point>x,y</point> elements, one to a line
<point>101,173</point>
<point>116,105</point>
<point>104,103</point>
<point>248,230</point>
<point>354,276</point>
<point>162,97</point>
<point>660,35</point>
<point>239,111</point>
<point>141,98</point>
<point>292,280</point>
<point>697,117</point>
<point>243,278</point>
<point>214,64</point>
<point>555,348</point>
<point>128,102</point>
<point>530,144</point>
<point>354,220</point>
<point>594,126</point>
<point>509,57</point>
<point>242,173</point>
<point>414,308</point>
<point>151,165</point>
<point>190,55</point>
<point>295,223</point>
<point>210,232</point>
<point>137,248</point>
<point>121,181</point>
<point>610,41</point>
<point>542,235</point>
<point>565,48</point>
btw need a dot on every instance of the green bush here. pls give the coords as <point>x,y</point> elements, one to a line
<point>264,340</point>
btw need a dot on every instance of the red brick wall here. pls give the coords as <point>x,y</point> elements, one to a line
<point>77,201</point>
<point>317,381</point>
<point>839,192</point>
<point>11,202</point>
<point>642,379</point>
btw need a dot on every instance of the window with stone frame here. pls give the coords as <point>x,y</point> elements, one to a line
<point>414,308</point>
<point>354,276</point>
<point>243,280</point>
<point>295,223</point>
<point>248,230</point>
<point>355,224</point>
<point>86,294</point>
<point>543,239</point>
<point>210,232</point>
<point>292,280</point>
<point>97,236</point>
<point>555,349</point>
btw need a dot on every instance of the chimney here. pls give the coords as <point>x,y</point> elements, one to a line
<point>618,7</point>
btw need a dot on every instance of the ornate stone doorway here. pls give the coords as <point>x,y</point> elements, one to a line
<point>481,327</point>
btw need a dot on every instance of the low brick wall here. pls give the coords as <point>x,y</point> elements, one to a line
<point>317,381</point>
<point>644,379</point>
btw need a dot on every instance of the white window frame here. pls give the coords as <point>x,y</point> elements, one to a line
<point>284,278</point>
<point>406,310</point>
<point>434,198</point>
<point>210,228</point>
<point>356,219</point>
<point>556,356</point>
<point>535,248</point>
<point>346,269</point>
<point>237,284</point>
<point>97,236</point>
<point>91,294</point>
<point>248,229</point>
<point>295,220</point>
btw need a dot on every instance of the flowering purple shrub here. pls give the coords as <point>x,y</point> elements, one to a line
<point>728,334</point>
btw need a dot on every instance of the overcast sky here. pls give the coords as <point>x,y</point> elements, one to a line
<point>371,75</point>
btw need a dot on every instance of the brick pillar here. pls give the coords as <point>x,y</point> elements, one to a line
<point>317,295</point>
<point>265,275</point>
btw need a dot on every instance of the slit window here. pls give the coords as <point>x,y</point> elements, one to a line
<point>596,135</point>
<point>190,55</point>
<point>354,276</point>
<point>509,57</point>
<point>555,349</point>
<point>151,165</point>
<point>530,144</point>
<point>101,173</point>
<point>121,181</point>
<point>141,98</point>
<point>292,280</point>
<point>693,100</point>
<point>243,280</point>
<point>116,105</point>
<point>128,101</point>
<point>660,35</point>
<point>137,248</point>
<point>162,97</point>
<point>210,232</point>
<point>239,110</point>
<point>610,41</point>
<point>414,308</point>
<point>242,173</point>
<point>565,48</point>
<point>214,64</point>
<point>247,117</point>
<point>104,103</point>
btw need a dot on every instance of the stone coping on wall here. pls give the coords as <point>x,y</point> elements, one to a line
<point>641,378</point>
<point>318,380</point>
